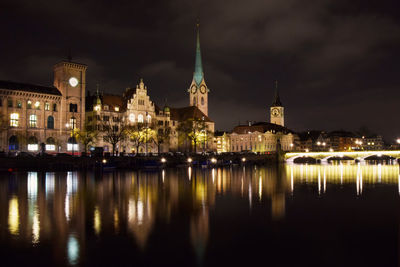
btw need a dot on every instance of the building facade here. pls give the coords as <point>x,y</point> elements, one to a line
<point>36,117</point>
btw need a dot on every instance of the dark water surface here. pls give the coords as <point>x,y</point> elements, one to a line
<point>296,215</point>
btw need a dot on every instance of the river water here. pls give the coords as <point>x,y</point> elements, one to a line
<point>292,215</point>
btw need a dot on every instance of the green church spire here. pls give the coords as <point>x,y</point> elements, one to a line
<point>198,75</point>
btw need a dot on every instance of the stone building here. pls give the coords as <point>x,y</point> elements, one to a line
<point>135,107</point>
<point>36,117</point>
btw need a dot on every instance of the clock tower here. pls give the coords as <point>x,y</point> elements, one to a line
<point>198,90</point>
<point>277,110</point>
<point>70,80</point>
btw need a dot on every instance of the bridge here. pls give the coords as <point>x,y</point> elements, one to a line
<point>344,155</point>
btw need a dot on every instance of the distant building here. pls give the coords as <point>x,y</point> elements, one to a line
<point>263,137</point>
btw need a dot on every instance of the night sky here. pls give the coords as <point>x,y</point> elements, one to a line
<point>337,61</point>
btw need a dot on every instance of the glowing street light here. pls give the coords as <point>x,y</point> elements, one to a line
<point>163,160</point>
<point>189,160</point>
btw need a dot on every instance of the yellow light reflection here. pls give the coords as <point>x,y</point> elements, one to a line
<point>97,220</point>
<point>13,216</point>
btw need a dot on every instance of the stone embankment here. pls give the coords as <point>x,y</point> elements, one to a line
<point>67,162</point>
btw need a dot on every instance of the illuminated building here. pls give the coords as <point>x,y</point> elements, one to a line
<point>264,137</point>
<point>36,114</point>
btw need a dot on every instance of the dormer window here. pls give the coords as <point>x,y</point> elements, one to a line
<point>116,109</point>
<point>105,107</point>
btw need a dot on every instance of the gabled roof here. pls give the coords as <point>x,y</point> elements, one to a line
<point>26,87</point>
<point>185,113</point>
<point>106,99</point>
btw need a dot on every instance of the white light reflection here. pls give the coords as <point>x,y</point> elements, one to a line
<point>324,181</point>
<point>319,182</point>
<point>73,249</point>
<point>50,183</point>
<point>213,175</point>
<point>163,175</point>
<point>190,173</point>
<point>291,180</point>
<point>260,188</point>
<point>32,185</point>
<point>379,172</point>
<point>250,195</point>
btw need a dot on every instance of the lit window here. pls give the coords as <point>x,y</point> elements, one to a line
<point>50,147</point>
<point>72,145</point>
<point>37,105</point>
<point>105,107</point>
<point>47,106</point>
<point>29,104</point>
<point>14,119</point>
<point>140,118</point>
<point>33,147</point>
<point>19,104</point>
<point>32,121</point>
<point>116,109</point>
<point>132,117</point>
<point>148,119</point>
<point>72,122</point>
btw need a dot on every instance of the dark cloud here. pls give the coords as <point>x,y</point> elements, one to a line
<point>336,60</point>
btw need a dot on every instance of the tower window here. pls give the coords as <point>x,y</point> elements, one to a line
<point>72,122</point>
<point>50,122</point>
<point>14,119</point>
<point>32,121</point>
<point>73,107</point>
<point>202,101</point>
<point>194,101</point>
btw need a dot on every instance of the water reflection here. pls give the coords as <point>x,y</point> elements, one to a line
<point>57,208</point>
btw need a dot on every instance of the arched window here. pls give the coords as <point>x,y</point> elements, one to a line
<point>132,117</point>
<point>13,143</point>
<point>33,144</point>
<point>32,121</point>
<point>194,101</point>
<point>140,118</point>
<point>50,122</point>
<point>50,144</point>
<point>202,101</point>
<point>148,119</point>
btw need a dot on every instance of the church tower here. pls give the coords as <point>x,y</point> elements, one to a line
<point>276,110</point>
<point>198,91</point>
<point>70,80</point>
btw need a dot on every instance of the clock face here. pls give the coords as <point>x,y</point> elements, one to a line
<point>194,88</point>
<point>203,89</point>
<point>275,112</point>
<point>73,81</point>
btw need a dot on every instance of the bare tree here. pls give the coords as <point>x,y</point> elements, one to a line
<point>162,136</point>
<point>87,136</point>
<point>194,130</point>
<point>113,134</point>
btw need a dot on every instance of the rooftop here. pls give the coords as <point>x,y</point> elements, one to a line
<point>26,87</point>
